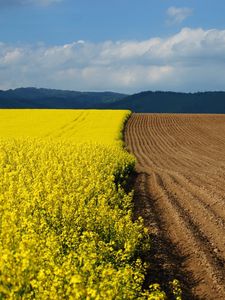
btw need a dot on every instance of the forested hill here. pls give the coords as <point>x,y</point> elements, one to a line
<point>170,102</point>
<point>159,102</point>
<point>50,98</point>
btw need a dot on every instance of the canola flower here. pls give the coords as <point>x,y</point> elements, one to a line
<point>66,228</point>
<point>78,126</point>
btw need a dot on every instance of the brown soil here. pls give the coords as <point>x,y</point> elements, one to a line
<point>180,193</point>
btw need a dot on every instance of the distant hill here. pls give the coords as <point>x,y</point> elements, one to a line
<point>50,98</point>
<point>160,102</point>
<point>171,102</point>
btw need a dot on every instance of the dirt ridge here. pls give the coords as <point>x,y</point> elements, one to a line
<point>180,193</point>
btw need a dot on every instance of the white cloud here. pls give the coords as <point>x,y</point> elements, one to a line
<point>191,60</point>
<point>178,14</point>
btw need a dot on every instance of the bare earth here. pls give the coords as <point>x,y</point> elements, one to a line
<point>180,193</point>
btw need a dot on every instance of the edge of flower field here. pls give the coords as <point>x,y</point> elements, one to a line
<point>82,216</point>
<point>171,289</point>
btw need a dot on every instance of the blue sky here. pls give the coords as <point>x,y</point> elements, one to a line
<point>66,21</point>
<point>121,45</point>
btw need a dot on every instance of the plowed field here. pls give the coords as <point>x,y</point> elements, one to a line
<point>180,192</point>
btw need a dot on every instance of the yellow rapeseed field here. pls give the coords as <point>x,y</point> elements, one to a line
<point>66,229</point>
<point>75,125</point>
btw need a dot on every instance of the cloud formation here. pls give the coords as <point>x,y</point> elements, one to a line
<point>191,60</point>
<point>5,3</point>
<point>177,15</point>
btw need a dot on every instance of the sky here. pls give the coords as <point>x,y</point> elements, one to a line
<point>121,45</point>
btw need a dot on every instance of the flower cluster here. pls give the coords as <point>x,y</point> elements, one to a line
<point>66,228</point>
